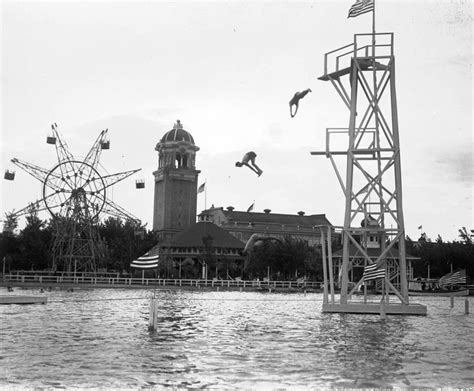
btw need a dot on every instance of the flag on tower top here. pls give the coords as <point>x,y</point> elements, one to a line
<point>201,188</point>
<point>361,7</point>
<point>250,208</point>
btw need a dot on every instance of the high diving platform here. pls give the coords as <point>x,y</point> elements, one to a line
<point>366,159</point>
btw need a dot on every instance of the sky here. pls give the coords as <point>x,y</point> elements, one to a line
<point>227,70</point>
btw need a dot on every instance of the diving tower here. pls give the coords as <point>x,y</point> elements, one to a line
<point>366,159</point>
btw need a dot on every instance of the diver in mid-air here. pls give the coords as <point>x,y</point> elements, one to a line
<point>296,99</point>
<point>250,157</point>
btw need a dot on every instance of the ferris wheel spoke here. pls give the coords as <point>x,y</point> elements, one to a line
<point>37,172</point>
<point>58,180</point>
<point>110,180</point>
<point>113,209</point>
<point>96,203</point>
<point>37,206</point>
<point>63,154</point>
<point>93,156</point>
<point>56,200</point>
<point>62,149</point>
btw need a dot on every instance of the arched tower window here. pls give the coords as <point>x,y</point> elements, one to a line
<point>178,160</point>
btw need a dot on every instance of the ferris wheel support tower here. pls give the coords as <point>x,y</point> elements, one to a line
<point>363,74</point>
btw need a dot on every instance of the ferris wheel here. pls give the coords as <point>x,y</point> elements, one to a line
<point>75,194</point>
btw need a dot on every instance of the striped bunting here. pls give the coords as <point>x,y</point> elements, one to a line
<point>457,277</point>
<point>146,261</point>
<point>371,272</point>
<point>361,7</point>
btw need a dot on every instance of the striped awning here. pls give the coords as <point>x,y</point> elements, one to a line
<point>148,260</point>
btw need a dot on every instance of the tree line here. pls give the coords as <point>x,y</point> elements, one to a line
<point>30,248</point>
<point>288,259</point>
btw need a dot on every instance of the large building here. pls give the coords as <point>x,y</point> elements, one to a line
<point>175,200</point>
<point>176,181</point>
<point>243,225</point>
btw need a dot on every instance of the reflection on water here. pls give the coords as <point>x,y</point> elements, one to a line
<point>99,338</point>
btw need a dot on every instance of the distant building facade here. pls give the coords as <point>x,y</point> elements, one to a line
<point>175,197</point>
<point>371,242</point>
<point>243,225</point>
<point>203,250</point>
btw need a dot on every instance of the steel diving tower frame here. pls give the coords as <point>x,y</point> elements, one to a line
<point>363,74</point>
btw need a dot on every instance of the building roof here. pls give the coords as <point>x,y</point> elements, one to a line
<point>371,252</point>
<point>275,218</point>
<point>177,134</point>
<point>193,237</point>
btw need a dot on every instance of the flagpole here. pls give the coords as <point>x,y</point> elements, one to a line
<point>205,194</point>
<point>373,31</point>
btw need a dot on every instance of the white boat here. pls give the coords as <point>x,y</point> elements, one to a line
<point>430,287</point>
<point>441,292</point>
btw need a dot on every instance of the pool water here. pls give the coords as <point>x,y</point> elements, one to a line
<point>100,339</point>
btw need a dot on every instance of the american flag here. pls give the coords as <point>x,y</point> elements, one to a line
<point>372,272</point>
<point>456,277</point>
<point>360,7</point>
<point>148,260</point>
<point>201,188</point>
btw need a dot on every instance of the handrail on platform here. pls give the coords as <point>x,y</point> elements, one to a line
<point>357,47</point>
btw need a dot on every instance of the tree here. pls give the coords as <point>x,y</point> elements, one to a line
<point>125,242</point>
<point>465,236</point>
<point>34,242</point>
<point>441,255</point>
<point>287,259</point>
<point>10,223</point>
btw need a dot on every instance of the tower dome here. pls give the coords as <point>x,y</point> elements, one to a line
<point>177,134</point>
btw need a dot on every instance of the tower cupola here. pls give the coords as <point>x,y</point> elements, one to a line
<point>176,149</point>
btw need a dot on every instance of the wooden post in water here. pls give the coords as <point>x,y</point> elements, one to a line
<point>325,273</point>
<point>451,301</point>
<point>383,313</point>
<point>466,306</point>
<point>153,319</point>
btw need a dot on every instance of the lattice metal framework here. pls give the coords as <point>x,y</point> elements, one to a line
<point>75,194</point>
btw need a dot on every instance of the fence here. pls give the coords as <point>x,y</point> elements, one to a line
<point>125,281</point>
